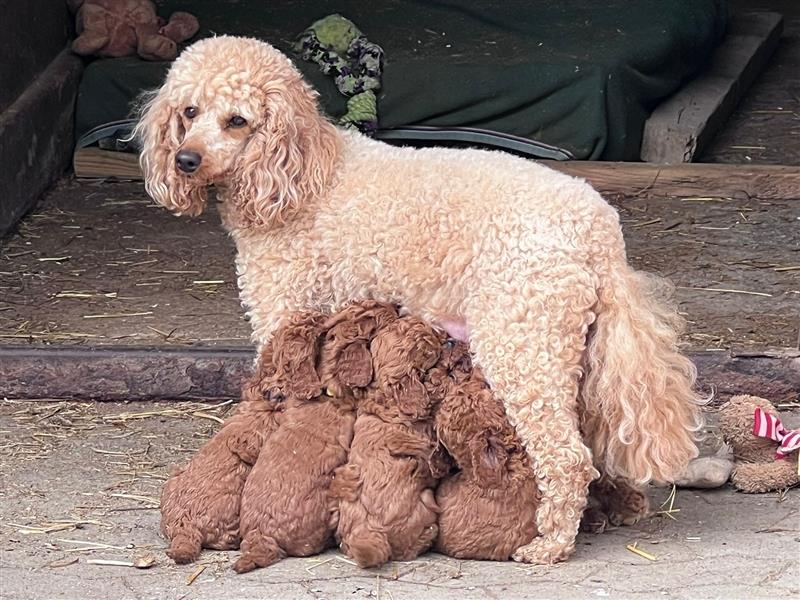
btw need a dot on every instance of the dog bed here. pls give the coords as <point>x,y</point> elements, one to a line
<point>580,76</point>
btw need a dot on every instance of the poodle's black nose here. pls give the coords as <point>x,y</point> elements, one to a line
<point>188,161</point>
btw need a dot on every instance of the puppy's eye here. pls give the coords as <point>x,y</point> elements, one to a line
<point>236,121</point>
<point>190,112</point>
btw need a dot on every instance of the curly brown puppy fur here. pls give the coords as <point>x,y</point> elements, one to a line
<point>200,503</point>
<point>488,508</point>
<point>285,506</point>
<point>385,491</point>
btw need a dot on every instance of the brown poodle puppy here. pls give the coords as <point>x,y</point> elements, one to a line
<point>488,508</point>
<point>387,508</point>
<point>286,510</point>
<point>200,503</point>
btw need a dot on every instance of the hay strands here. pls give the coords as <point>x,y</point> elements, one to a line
<point>669,503</point>
<point>87,546</point>
<point>118,315</point>
<point>53,526</point>
<point>141,561</point>
<point>195,574</point>
<point>192,410</point>
<point>638,551</point>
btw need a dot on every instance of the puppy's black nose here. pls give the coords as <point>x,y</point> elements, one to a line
<point>188,161</point>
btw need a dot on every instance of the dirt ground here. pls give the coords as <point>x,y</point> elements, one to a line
<point>101,264</point>
<point>80,482</point>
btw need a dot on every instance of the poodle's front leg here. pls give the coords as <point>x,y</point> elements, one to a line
<point>530,348</point>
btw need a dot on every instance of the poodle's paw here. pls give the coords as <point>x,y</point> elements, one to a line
<point>544,551</point>
<point>627,507</point>
<point>368,548</point>
<point>244,565</point>
<point>184,551</point>
<point>594,520</point>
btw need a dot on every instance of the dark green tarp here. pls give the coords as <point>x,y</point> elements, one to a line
<point>576,74</point>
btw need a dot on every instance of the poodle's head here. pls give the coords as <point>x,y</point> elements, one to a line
<point>453,367</point>
<point>471,423</point>
<point>235,113</point>
<point>402,353</point>
<point>345,359</point>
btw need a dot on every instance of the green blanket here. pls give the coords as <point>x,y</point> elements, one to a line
<point>580,75</point>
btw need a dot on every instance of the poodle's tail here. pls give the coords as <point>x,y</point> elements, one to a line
<point>640,413</point>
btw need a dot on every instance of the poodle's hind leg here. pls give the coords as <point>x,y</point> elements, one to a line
<point>185,546</point>
<point>258,551</point>
<point>528,336</point>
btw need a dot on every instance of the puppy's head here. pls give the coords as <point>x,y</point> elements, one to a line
<point>295,353</point>
<point>402,353</point>
<point>346,361</point>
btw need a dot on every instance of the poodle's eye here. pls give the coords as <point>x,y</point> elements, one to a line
<point>190,112</point>
<point>236,121</point>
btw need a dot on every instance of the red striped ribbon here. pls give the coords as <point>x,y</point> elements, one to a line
<point>770,426</point>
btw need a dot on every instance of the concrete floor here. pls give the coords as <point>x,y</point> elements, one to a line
<point>80,482</point>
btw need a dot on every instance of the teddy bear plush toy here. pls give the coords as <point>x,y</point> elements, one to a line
<point>765,452</point>
<point>114,28</point>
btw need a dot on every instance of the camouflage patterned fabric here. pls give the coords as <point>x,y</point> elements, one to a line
<point>339,48</point>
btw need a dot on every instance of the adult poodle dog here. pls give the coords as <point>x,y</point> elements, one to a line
<point>525,262</point>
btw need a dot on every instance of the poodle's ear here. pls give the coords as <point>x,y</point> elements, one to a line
<point>410,397</point>
<point>296,348</point>
<point>355,365</point>
<point>257,387</point>
<point>288,160</point>
<point>160,132</point>
<point>488,458</point>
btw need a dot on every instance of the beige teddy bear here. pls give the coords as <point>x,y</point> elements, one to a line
<point>765,452</point>
<point>114,28</point>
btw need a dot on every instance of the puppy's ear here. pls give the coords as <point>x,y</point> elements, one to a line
<point>289,159</point>
<point>257,387</point>
<point>410,396</point>
<point>160,133</point>
<point>488,458</point>
<point>296,348</point>
<point>355,365</point>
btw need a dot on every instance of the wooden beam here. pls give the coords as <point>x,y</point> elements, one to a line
<point>120,373</point>
<point>682,125</point>
<point>94,162</point>
<point>184,373</point>
<point>683,180</point>
<point>769,182</point>
<point>36,136</point>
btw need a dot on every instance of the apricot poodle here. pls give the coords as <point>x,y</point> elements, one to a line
<point>200,503</point>
<point>488,508</point>
<point>387,508</point>
<point>527,263</point>
<point>285,508</point>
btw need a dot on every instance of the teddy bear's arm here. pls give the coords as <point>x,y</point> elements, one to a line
<point>756,478</point>
<point>93,29</point>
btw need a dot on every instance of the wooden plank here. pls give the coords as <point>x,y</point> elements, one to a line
<point>94,162</point>
<point>119,373</point>
<point>686,122</point>
<point>36,136</point>
<point>687,180</point>
<point>681,181</point>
